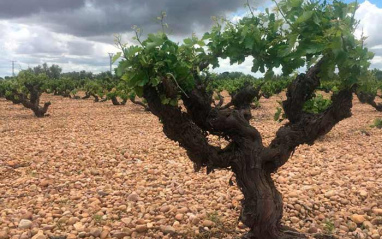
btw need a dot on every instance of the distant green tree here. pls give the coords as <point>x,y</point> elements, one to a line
<point>52,72</point>
<point>378,74</point>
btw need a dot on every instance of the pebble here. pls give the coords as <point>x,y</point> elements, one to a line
<point>27,215</point>
<point>72,220</point>
<point>208,223</point>
<point>45,183</point>
<point>133,197</point>
<point>165,209</point>
<point>182,210</point>
<point>79,226</point>
<point>104,234</point>
<point>363,193</point>
<point>377,221</point>
<point>96,232</point>
<point>141,228</point>
<point>195,220</point>
<point>25,224</point>
<point>294,219</point>
<point>120,235</point>
<point>94,172</point>
<point>26,235</point>
<point>39,235</point>
<point>330,193</point>
<point>367,225</point>
<point>167,229</point>
<point>344,228</point>
<point>4,235</point>
<point>357,218</point>
<point>377,211</point>
<point>352,226</point>
<point>179,217</point>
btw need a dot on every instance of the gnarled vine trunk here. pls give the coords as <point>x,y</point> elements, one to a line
<point>137,102</point>
<point>33,102</point>
<point>367,98</point>
<point>87,96</point>
<point>37,109</point>
<point>262,206</point>
<point>251,161</point>
<point>114,100</point>
<point>12,98</point>
<point>96,98</point>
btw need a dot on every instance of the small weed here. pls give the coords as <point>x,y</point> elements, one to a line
<point>214,217</point>
<point>329,226</point>
<point>60,225</point>
<point>32,173</point>
<point>256,104</point>
<point>363,227</point>
<point>97,218</point>
<point>63,202</point>
<point>377,123</point>
<point>220,230</point>
<point>364,132</point>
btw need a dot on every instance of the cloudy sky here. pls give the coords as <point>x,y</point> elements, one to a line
<point>78,34</point>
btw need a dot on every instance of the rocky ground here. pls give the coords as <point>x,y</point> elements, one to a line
<point>94,170</point>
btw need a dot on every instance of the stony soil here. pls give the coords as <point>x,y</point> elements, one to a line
<point>94,170</point>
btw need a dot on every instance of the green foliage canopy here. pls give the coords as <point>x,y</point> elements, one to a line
<point>297,34</point>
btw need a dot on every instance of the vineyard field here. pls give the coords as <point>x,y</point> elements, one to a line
<point>97,170</point>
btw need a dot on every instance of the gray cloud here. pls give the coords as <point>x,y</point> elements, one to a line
<point>36,46</point>
<point>376,50</point>
<point>80,48</point>
<point>99,17</point>
<point>21,8</point>
<point>99,61</point>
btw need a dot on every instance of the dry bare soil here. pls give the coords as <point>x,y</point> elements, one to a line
<point>94,170</point>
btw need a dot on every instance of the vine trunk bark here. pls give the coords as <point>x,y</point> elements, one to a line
<point>262,206</point>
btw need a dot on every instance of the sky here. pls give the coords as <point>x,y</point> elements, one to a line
<point>79,34</point>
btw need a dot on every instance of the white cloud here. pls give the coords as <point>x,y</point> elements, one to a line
<point>370,17</point>
<point>32,45</point>
<point>244,67</point>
